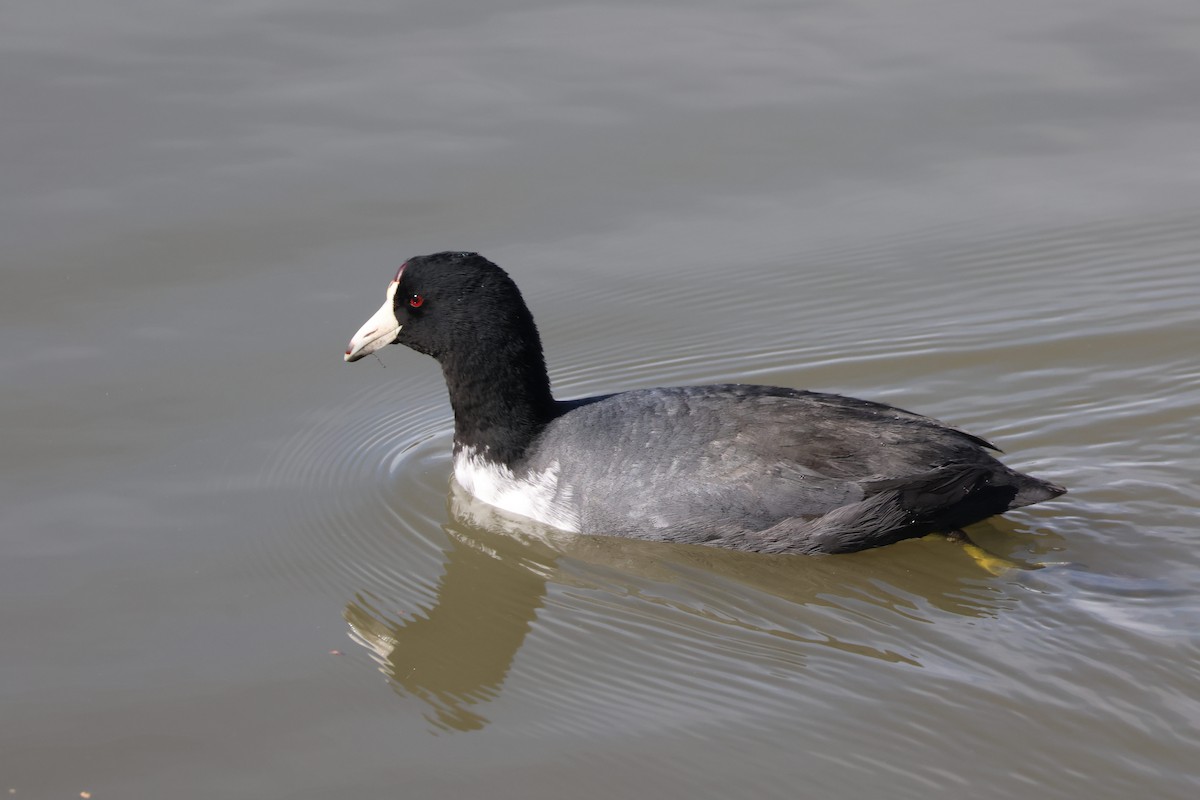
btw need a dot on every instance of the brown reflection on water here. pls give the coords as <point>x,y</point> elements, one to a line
<point>455,655</point>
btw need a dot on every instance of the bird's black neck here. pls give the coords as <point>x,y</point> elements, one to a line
<point>501,399</point>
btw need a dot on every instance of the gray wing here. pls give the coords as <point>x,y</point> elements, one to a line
<point>751,456</point>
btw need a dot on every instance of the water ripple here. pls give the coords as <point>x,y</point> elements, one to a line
<point>352,473</point>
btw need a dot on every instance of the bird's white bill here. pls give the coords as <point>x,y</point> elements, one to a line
<point>379,331</point>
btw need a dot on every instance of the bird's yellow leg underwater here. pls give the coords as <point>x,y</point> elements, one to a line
<point>996,565</point>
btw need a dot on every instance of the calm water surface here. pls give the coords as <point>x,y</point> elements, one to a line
<point>232,566</point>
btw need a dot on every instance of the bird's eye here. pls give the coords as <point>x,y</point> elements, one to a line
<point>416,301</point>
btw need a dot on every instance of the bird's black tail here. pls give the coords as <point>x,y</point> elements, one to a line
<point>1032,490</point>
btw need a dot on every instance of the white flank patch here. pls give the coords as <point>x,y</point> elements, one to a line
<point>532,496</point>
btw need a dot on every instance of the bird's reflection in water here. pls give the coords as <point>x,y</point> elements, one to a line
<point>455,655</point>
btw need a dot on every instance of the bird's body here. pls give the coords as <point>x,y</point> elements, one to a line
<point>749,467</point>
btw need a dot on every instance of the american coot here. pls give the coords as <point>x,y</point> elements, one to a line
<point>757,468</point>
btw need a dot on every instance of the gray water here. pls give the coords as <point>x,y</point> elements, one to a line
<point>232,566</point>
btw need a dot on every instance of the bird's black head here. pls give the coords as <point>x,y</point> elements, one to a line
<point>448,305</point>
<point>466,312</point>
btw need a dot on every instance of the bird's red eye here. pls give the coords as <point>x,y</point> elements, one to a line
<point>416,301</point>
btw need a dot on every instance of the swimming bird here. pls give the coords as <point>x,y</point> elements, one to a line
<point>759,468</point>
